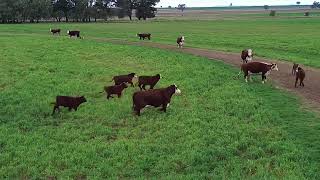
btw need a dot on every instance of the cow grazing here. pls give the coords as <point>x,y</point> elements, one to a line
<point>246,55</point>
<point>117,89</point>
<point>74,33</point>
<point>180,41</point>
<point>124,79</point>
<point>67,101</point>
<point>143,81</point>
<point>154,97</point>
<point>55,31</point>
<point>144,35</point>
<point>257,67</point>
<point>300,75</point>
<point>294,68</point>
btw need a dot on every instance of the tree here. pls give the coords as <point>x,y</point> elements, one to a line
<point>298,2</point>
<point>145,9</point>
<point>181,7</point>
<point>64,6</point>
<point>126,7</point>
<point>315,5</point>
<point>266,7</point>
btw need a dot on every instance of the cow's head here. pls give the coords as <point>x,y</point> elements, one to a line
<point>68,32</point>
<point>82,99</point>
<point>274,67</point>
<point>158,76</point>
<point>182,38</point>
<point>177,90</point>
<point>50,29</point>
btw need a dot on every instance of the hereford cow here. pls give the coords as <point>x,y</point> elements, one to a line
<point>74,33</point>
<point>257,67</point>
<point>180,41</point>
<point>144,81</point>
<point>55,31</point>
<point>124,79</point>
<point>144,35</point>
<point>246,55</point>
<point>300,75</point>
<point>117,89</point>
<point>294,68</point>
<point>67,101</point>
<point>154,97</point>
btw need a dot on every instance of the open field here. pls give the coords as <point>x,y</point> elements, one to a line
<point>219,127</point>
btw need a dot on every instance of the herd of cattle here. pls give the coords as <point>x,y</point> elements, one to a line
<point>162,97</point>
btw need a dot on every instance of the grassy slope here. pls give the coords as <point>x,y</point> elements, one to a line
<point>215,129</point>
<point>288,39</point>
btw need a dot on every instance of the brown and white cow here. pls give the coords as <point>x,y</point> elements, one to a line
<point>154,97</point>
<point>246,55</point>
<point>257,68</point>
<point>74,33</point>
<point>180,41</point>
<point>144,35</point>
<point>55,31</point>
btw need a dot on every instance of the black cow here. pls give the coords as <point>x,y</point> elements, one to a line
<point>74,33</point>
<point>144,35</point>
<point>67,101</point>
<point>55,31</point>
<point>154,97</point>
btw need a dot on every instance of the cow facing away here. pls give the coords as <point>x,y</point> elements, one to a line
<point>300,75</point>
<point>124,79</point>
<point>294,68</point>
<point>144,35</point>
<point>256,68</point>
<point>154,97</point>
<point>180,41</point>
<point>55,31</point>
<point>246,55</point>
<point>116,89</point>
<point>74,33</point>
<point>151,81</point>
<point>67,101</point>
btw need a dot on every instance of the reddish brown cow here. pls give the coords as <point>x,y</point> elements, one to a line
<point>67,101</point>
<point>257,67</point>
<point>55,31</point>
<point>144,81</point>
<point>154,97</point>
<point>117,89</point>
<point>246,55</point>
<point>124,79</point>
<point>144,35</point>
<point>180,41</point>
<point>300,75</point>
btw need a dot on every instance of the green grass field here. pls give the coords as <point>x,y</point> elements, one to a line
<point>289,38</point>
<point>218,128</point>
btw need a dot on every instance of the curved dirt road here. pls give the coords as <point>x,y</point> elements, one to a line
<point>282,79</point>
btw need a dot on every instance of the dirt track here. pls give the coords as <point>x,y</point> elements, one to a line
<point>282,79</point>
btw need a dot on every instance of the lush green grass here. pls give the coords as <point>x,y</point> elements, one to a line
<point>290,39</point>
<point>220,127</point>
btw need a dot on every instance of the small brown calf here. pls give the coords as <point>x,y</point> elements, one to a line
<point>148,80</point>
<point>67,101</point>
<point>116,89</point>
<point>124,79</point>
<point>300,75</point>
<point>55,31</point>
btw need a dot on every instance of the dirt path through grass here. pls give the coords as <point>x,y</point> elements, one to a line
<point>283,78</point>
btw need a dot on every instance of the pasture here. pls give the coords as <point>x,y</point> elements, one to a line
<point>218,128</point>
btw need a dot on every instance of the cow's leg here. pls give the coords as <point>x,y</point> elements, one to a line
<point>140,86</point>
<point>295,85</point>
<point>75,108</point>
<point>263,78</point>
<point>54,109</point>
<point>137,110</point>
<point>70,108</point>
<point>119,95</point>
<point>144,87</point>
<point>164,107</point>
<point>301,83</point>
<point>152,86</point>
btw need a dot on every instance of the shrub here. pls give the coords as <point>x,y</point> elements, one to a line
<point>272,13</point>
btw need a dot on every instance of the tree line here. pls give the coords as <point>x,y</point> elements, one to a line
<point>17,11</point>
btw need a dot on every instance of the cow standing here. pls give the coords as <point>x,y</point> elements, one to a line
<point>144,81</point>
<point>55,31</point>
<point>67,101</point>
<point>124,79</point>
<point>258,67</point>
<point>154,97</point>
<point>247,55</point>
<point>180,41</point>
<point>116,89</point>
<point>74,33</point>
<point>144,35</point>
<point>300,75</point>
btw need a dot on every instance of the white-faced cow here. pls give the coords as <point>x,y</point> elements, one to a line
<point>55,31</point>
<point>246,55</point>
<point>154,97</point>
<point>74,33</point>
<point>180,41</point>
<point>257,68</point>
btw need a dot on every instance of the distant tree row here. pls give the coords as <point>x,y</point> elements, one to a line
<point>16,11</point>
